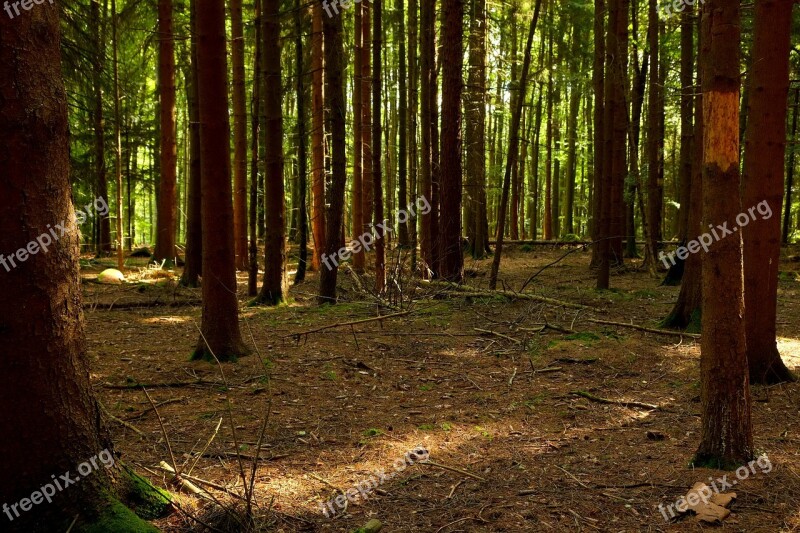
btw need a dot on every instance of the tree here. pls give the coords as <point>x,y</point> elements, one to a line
<point>220,336</point>
<point>427,80</point>
<point>302,145</point>
<point>727,433</point>
<point>98,62</point>
<point>598,141</point>
<point>402,149</point>
<point>52,420</point>
<point>764,154</point>
<point>256,109</point>
<point>335,102</point>
<point>451,255</point>
<point>655,141</point>
<point>167,210</point>
<point>513,149</point>
<point>274,289</point>
<point>475,134</point>
<point>194,224</point>
<point>239,136</point>
<point>377,175</point>
<point>317,136</point>
<point>359,256</point>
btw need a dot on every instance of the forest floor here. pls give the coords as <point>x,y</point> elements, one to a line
<point>511,411</point>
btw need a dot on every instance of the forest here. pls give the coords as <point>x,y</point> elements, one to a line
<point>399,265</point>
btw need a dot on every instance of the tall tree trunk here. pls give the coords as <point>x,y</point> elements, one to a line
<point>98,55</point>
<point>513,149</point>
<point>274,289</point>
<point>167,212</point>
<point>302,145</point>
<point>413,98</point>
<point>117,132</point>
<point>572,139</point>
<point>402,149</point>
<point>764,154</point>
<point>221,338</point>
<point>450,251</point>
<point>51,422</point>
<point>194,231</point>
<point>655,140</point>
<point>256,105</point>
<point>727,433</point>
<point>334,96</point>
<point>686,312</point>
<point>359,255</point>
<point>548,186</point>
<point>367,182</point>
<point>317,136</point>
<point>598,141</point>
<point>377,175</point>
<point>427,79</point>
<point>687,127</point>
<point>239,136</point>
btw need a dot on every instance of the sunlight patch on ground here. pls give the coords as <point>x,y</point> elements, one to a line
<point>790,351</point>
<point>166,319</point>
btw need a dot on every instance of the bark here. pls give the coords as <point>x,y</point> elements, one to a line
<point>194,231</point>
<point>98,55</point>
<point>377,175</point>
<point>317,136</point>
<point>787,211</point>
<point>727,433</point>
<point>256,105</point>
<point>335,100</point>
<point>513,149</point>
<point>274,289</point>
<point>302,146</point>
<point>239,136</point>
<point>117,133</point>
<point>413,97</point>
<point>427,79</point>
<point>598,141</point>
<point>51,421</point>
<point>450,250</point>
<point>220,338</point>
<point>548,164</point>
<point>359,255</point>
<point>764,154</point>
<point>167,210</point>
<point>655,140</point>
<point>687,127</point>
<point>402,148</point>
<point>366,118</point>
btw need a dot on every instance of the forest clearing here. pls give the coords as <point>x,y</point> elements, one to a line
<point>399,265</point>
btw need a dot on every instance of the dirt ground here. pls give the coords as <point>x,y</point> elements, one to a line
<point>517,440</point>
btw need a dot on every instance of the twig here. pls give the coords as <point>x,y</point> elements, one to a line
<point>161,404</point>
<point>450,468</point>
<point>648,330</point>
<point>342,324</point>
<point>120,421</point>
<point>164,432</point>
<point>622,403</point>
<point>498,334</point>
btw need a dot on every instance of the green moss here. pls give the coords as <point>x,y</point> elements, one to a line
<point>146,500</point>
<point>119,519</point>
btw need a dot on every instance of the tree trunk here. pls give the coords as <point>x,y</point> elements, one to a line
<point>413,98</point>
<point>598,141</point>
<point>334,95</point>
<point>513,149</point>
<point>359,255</point>
<point>402,149</point>
<point>194,231</point>
<point>51,422</point>
<point>427,79</point>
<point>117,133</point>
<point>302,145</point>
<point>317,136</point>
<point>274,289</point>
<point>167,212</point>
<point>727,433</point>
<point>377,175</point>
<point>367,182</point>
<point>256,104</point>
<point>239,136</point>
<point>220,338</point>
<point>655,140</point>
<point>787,212</point>
<point>98,62</point>
<point>764,154</point>
<point>450,251</point>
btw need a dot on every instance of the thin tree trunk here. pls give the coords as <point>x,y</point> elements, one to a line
<point>787,212</point>
<point>98,55</point>
<point>117,133</point>
<point>377,175</point>
<point>256,105</point>
<point>239,136</point>
<point>167,212</point>
<point>513,147</point>
<point>302,145</point>
<point>359,255</point>
<point>317,136</point>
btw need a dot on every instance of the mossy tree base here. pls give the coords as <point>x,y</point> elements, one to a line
<point>690,322</point>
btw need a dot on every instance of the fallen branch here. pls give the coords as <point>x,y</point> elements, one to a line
<point>297,336</point>
<point>623,403</point>
<point>451,469</point>
<point>472,292</point>
<point>512,339</point>
<point>648,330</point>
